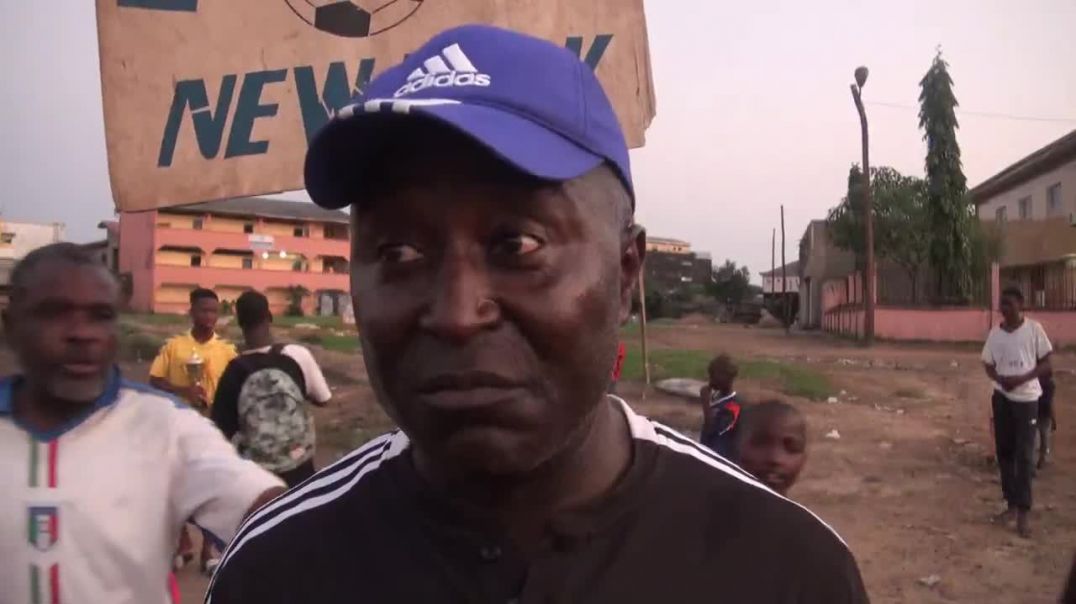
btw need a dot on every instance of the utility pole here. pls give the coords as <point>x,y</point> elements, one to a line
<point>773,263</point>
<point>868,210</point>
<point>786,310</point>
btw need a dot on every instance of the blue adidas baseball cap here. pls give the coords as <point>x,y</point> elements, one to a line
<point>532,103</point>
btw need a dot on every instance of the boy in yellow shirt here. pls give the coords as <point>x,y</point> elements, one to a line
<point>190,364</point>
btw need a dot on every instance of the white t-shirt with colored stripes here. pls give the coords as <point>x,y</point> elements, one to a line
<point>92,512</point>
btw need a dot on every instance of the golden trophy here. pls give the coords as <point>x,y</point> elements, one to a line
<point>195,374</point>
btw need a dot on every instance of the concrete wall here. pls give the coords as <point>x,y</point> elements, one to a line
<point>1035,189</point>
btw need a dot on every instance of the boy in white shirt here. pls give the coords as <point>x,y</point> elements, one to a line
<point>99,474</point>
<point>1016,355</point>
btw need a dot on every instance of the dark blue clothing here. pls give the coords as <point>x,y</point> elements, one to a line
<point>720,427</point>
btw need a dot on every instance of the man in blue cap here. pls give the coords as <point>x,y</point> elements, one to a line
<point>494,256</point>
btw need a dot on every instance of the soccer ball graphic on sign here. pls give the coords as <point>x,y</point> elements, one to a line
<point>351,19</point>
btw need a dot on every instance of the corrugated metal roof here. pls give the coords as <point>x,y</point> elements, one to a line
<point>267,208</point>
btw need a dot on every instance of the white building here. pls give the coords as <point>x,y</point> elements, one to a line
<point>20,238</point>
<point>773,282</point>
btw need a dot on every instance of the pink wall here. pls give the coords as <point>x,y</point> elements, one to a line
<point>136,255</point>
<point>1060,325</point>
<point>843,314</point>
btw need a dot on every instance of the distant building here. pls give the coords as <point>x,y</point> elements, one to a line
<point>20,238</point>
<point>1038,187</point>
<point>673,269</point>
<point>1033,203</point>
<point>773,282</point>
<point>236,245</point>
<point>820,260</point>
<point>107,250</point>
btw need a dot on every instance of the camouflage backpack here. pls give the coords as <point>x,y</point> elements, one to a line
<point>275,429</point>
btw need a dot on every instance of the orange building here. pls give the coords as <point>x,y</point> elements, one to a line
<point>230,246</point>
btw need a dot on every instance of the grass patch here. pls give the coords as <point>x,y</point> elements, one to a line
<point>793,379</point>
<point>665,363</point>
<point>137,346</point>
<point>790,378</point>
<point>323,322</point>
<point>155,319</point>
<point>917,393</point>
<point>348,343</point>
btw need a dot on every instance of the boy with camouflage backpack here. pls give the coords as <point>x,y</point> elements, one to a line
<point>259,402</point>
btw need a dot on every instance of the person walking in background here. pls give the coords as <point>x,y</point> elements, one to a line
<point>189,365</point>
<point>260,400</point>
<point>772,443</point>
<point>1016,355</point>
<point>97,473</point>
<point>720,407</point>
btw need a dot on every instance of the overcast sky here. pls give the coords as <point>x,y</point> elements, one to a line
<point>754,109</point>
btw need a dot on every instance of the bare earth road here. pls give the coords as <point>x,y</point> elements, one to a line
<point>910,484</point>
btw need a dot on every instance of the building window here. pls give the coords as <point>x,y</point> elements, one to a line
<point>1025,208</point>
<point>7,237</point>
<point>196,224</point>
<point>1001,215</point>
<point>196,260</point>
<point>297,266</point>
<point>248,228</point>
<point>1053,201</point>
<point>336,231</point>
<point>299,231</point>
<point>248,263</point>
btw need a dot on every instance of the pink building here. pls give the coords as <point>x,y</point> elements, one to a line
<point>273,246</point>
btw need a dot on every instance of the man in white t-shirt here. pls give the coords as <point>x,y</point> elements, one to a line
<point>259,403</point>
<point>98,474</point>
<point>1016,355</point>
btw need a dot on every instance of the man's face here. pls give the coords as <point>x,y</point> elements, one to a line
<point>204,313</point>
<point>1011,309</point>
<point>488,306</point>
<point>63,329</point>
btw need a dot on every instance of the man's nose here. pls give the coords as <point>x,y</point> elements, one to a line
<point>462,303</point>
<point>81,328</point>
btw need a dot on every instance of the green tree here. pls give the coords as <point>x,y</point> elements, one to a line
<point>296,293</point>
<point>950,211</point>
<point>731,283</point>
<point>901,220</point>
<point>845,222</point>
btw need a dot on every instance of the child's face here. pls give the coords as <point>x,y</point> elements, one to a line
<point>775,451</point>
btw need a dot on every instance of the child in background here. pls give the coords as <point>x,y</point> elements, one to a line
<point>773,443</point>
<point>720,408</point>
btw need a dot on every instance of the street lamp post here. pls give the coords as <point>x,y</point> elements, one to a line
<point>868,210</point>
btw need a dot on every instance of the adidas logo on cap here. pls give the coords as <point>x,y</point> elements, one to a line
<point>450,68</point>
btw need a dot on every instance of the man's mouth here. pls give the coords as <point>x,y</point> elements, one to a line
<point>81,369</point>
<point>468,390</point>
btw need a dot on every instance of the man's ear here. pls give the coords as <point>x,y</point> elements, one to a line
<point>632,257</point>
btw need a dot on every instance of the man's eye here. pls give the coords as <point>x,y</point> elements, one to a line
<point>398,253</point>
<point>517,244</point>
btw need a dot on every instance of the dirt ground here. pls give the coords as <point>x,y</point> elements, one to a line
<point>910,484</point>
